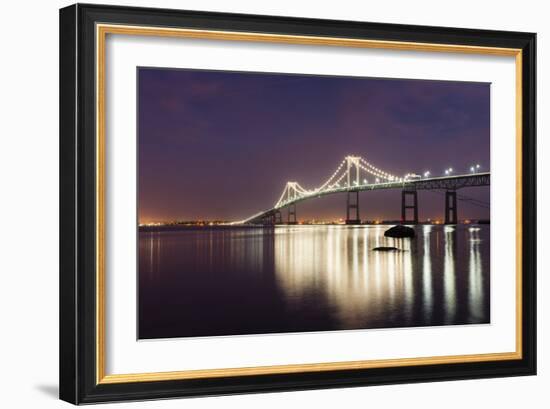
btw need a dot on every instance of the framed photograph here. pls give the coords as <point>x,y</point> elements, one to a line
<point>257,203</point>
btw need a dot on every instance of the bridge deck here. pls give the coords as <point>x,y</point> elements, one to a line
<point>434,183</point>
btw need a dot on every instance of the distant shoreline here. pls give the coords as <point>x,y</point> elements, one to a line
<point>173,227</point>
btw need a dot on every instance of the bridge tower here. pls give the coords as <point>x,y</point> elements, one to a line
<point>353,178</point>
<point>291,214</point>
<point>268,220</point>
<point>278,217</point>
<point>353,207</point>
<point>451,208</point>
<point>291,190</point>
<point>408,205</point>
<point>291,193</point>
<point>353,170</point>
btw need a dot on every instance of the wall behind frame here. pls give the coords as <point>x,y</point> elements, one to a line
<point>29,209</point>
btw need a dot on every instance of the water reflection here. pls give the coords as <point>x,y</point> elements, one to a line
<point>449,278</point>
<point>223,281</point>
<point>475,293</point>
<point>427,284</point>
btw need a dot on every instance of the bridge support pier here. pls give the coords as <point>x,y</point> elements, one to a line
<point>406,205</point>
<point>291,214</point>
<point>268,220</point>
<point>278,217</point>
<point>451,208</point>
<point>352,206</point>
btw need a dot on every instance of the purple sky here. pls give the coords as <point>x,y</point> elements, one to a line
<point>222,145</point>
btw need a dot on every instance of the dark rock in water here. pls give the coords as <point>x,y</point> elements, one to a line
<point>384,248</point>
<point>399,231</point>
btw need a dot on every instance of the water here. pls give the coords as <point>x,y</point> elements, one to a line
<point>228,281</point>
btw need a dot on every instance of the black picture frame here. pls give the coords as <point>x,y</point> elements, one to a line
<point>78,313</point>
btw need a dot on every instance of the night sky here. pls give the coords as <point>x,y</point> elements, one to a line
<point>221,145</point>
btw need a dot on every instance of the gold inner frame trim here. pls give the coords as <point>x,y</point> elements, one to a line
<point>101,33</point>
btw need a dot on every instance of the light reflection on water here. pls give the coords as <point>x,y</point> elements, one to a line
<point>225,281</point>
<point>449,277</point>
<point>427,286</point>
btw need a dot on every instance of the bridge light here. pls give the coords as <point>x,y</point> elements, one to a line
<point>450,169</point>
<point>477,166</point>
<point>377,180</point>
<point>446,171</point>
<point>472,169</point>
<point>365,181</point>
<point>427,173</point>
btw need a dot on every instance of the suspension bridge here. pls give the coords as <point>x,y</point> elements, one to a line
<point>355,174</point>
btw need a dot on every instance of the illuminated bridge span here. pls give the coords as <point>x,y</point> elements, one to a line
<point>355,174</point>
